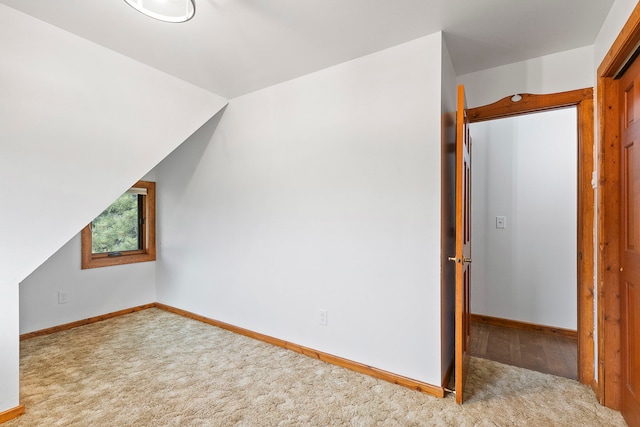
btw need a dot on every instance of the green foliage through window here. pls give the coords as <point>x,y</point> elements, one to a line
<point>117,228</point>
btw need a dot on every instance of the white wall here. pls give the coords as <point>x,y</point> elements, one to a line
<point>617,17</point>
<point>77,117</point>
<point>525,168</point>
<point>558,72</point>
<point>448,159</point>
<point>91,292</point>
<point>322,192</point>
<point>9,348</point>
<point>80,124</point>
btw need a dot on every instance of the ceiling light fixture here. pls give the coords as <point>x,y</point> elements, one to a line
<point>165,10</point>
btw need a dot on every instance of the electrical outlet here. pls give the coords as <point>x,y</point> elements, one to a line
<point>63,297</point>
<point>322,319</point>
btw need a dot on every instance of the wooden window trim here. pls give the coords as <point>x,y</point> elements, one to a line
<point>91,260</point>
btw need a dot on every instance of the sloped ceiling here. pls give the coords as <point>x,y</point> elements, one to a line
<point>80,124</point>
<point>232,47</point>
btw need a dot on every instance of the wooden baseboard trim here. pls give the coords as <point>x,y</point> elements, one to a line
<point>497,321</point>
<point>12,413</point>
<point>83,322</point>
<point>325,357</point>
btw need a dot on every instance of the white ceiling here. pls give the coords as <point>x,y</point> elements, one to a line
<point>232,47</point>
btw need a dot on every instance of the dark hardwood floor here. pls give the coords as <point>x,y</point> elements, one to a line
<point>538,351</point>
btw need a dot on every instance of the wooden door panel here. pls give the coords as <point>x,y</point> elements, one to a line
<point>462,256</point>
<point>630,243</point>
<point>630,186</point>
<point>631,330</point>
<point>628,110</point>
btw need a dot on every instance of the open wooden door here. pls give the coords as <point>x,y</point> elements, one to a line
<point>462,257</point>
<point>630,243</point>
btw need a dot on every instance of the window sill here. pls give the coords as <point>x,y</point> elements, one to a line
<point>104,260</point>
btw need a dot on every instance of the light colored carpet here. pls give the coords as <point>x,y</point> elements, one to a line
<point>155,368</point>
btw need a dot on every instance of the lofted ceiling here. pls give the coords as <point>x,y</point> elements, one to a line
<point>232,47</point>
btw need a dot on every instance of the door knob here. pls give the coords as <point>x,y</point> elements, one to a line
<point>466,260</point>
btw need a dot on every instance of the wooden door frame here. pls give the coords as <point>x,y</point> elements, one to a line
<point>582,99</point>
<point>608,278</point>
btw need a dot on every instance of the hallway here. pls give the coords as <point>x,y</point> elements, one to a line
<point>547,353</point>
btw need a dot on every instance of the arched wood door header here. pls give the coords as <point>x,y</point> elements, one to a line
<point>529,103</point>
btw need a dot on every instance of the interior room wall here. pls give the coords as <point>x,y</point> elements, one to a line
<point>447,233</point>
<point>525,168</point>
<point>617,17</point>
<point>80,124</point>
<point>558,72</point>
<point>90,292</point>
<point>322,192</point>
<point>10,348</point>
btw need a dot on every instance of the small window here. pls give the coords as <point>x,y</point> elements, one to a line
<point>125,232</point>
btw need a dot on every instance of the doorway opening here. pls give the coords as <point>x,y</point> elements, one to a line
<point>581,264</point>
<point>524,213</point>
